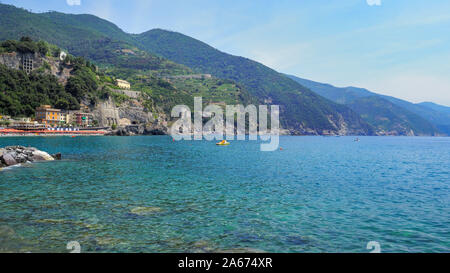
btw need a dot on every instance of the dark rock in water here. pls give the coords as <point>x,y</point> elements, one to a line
<point>123,132</point>
<point>155,130</point>
<point>140,129</point>
<point>13,155</point>
<point>296,240</point>
<point>57,156</point>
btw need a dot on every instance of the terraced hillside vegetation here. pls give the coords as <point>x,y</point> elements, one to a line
<point>150,54</point>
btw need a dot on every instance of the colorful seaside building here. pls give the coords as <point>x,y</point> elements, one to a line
<point>84,119</point>
<point>48,116</point>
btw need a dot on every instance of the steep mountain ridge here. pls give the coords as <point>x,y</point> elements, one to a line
<point>69,82</point>
<point>160,53</point>
<point>302,111</point>
<point>425,120</point>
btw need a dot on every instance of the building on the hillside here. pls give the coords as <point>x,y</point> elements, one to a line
<point>48,116</point>
<point>123,84</point>
<point>27,64</point>
<point>84,107</point>
<point>84,119</point>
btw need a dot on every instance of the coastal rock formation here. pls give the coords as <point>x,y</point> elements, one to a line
<point>129,112</point>
<point>141,129</point>
<point>13,155</point>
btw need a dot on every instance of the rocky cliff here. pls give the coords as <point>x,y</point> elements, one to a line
<point>35,61</point>
<point>130,117</point>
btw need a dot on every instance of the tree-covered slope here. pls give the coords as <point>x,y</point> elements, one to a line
<point>82,35</point>
<point>21,93</point>
<point>389,118</point>
<point>340,95</point>
<point>436,107</point>
<point>439,120</point>
<point>107,45</point>
<point>16,22</point>
<point>301,109</point>
<point>68,83</point>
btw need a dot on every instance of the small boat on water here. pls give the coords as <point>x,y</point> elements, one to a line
<point>356,140</point>
<point>223,143</point>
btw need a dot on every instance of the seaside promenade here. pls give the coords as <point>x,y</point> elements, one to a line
<point>15,132</point>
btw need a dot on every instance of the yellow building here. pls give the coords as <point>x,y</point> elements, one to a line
<point>64,117</point>
<point>48,116</point>
<point>123,84</point>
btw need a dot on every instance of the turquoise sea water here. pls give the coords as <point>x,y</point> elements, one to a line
<point>318,194</point>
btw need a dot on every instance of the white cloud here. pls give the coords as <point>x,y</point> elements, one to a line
<point>73,2</point>
<point>374,2</point>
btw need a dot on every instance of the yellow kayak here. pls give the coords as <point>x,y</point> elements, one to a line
<point>223,143</point>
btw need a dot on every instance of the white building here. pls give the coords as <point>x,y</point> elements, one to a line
<point>123,84</point>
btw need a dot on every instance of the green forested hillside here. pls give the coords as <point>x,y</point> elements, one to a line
<point>425,120</point>
<point>389,118</point>
<point>82,35</point>
<point>108,46</point>
<point>115,51</point>
<point>300,107</point>
<point>22,93</point>
<point>341,95</point>
<point>436,107</point>
<point>440,119</point>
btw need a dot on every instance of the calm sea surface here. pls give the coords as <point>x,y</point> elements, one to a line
<point>150,194</point>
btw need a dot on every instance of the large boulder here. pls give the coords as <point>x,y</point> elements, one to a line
<point>21,158</point>
<point>41,156</point>
<point>57,156</point>
<point>13,155</point>
<point>135,129</point>
<point>8,159</point>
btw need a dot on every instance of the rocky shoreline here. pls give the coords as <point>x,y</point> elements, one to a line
<point>140,129</point>
<point>14,155</point>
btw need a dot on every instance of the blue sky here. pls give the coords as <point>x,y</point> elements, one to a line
<point>394,47</point>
